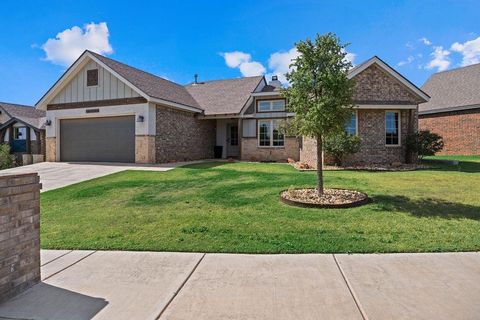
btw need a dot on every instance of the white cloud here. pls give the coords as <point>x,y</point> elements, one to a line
<point>243,61</point>
<point>351,57</point>
<point>252,68</point>
<point>69,44</point>
<point>409,60</point>
<point>235,58</point>
<point>439,60</point>
<point>470,51</point>
<point>425,41</point>
<point>279,63</point>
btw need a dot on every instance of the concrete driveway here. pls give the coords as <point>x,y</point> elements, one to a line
<point>55,175</point>
<point>160,285</point>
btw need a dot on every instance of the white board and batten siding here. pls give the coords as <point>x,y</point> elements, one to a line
<point>109,87</point>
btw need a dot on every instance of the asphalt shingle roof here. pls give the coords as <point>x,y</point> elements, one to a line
<point>453,88</point>
<point>223,96</point>
<point>150,84</point>
<point>27,114</point>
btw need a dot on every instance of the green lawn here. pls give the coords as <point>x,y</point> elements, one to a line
<point>234,207</point>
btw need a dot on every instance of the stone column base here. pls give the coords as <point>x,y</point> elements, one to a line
<point>51,149</point>
<point>144,149</point>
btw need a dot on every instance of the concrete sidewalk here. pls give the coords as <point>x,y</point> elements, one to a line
<point>159,285</point>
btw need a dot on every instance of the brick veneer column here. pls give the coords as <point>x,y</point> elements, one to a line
<point>19,233</point>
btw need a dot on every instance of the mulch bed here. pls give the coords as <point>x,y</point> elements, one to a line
<point>404,167</point>
<point>331,198</point>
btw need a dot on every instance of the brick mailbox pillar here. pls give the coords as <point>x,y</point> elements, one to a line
<point>19,233</point>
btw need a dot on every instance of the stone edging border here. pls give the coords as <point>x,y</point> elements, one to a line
<point>324,206</point>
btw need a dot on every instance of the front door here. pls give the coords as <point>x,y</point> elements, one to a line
<point>19,142</point>
<point>233,148</point>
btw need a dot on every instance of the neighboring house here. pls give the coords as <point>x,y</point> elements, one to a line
<point>104,110</point>
<point>22,127</point>
<point>454,110</point>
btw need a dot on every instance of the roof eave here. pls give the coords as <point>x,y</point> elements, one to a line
<point>15,119</point>
<point>175,105</point>
<point>449,109</point>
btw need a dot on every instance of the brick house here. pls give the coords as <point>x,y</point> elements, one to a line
<point>454,109</point>
<point>104,110</point>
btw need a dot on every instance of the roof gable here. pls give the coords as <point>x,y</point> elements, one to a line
<point>453,89</point>
<point>224,96</point>
<point>109,87</point>
<point>376,80</point>
<point>25,114</point>
<point>147,85</point>
<point>152,85</point>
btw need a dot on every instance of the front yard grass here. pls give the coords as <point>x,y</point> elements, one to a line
<point>234,207</point>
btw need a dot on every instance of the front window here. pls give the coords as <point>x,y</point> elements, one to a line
<point>392,128</point>
<point>234,135</point>
<point>269,133</point>
<point>271,105</point>
<point>351,127</point>
<point>20,133</point>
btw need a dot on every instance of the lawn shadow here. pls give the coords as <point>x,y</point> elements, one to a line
<point>427,207</point>
<point>463,166</point>
<point>206,165</point>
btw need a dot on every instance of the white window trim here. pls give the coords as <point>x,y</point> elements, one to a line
<point>356,123</point>
<point>399,128</point>
<point>271,105</point>
<point>271,146</point>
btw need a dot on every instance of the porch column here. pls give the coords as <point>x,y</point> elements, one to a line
<point>2,135</point>
<point>39,142</point>
<point>10,137</point>
<point>240,134</point>
<point>28,138</point>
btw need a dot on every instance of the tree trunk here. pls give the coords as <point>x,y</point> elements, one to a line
<point>319,166</point>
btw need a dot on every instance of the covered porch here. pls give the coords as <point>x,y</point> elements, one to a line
<point>24,139</point>
<point>228,137</point>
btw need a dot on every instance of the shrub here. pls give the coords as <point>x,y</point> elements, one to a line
<point>341,145</point>
<point>424,143</point>
<point>6,159</point>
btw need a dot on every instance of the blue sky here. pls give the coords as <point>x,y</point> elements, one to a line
<point>177,39</point>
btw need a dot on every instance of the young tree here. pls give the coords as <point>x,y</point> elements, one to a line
<point>320,93</point>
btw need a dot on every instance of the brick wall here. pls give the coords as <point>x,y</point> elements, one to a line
<point>181,136</point>
<point>371,130</point>
<point>19,233</point>
<point>251,151</point>
<point>460,130</point>
<point>373,85</point>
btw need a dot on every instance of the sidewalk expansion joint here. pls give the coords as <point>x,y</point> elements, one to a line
<point>350,288</point>
<point>60,256</point>
<point>181,287</point>
<point>86,256</point>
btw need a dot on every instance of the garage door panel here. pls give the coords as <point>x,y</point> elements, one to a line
<point>109,139</point>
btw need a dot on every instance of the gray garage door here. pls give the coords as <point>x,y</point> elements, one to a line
<point>98,139</point>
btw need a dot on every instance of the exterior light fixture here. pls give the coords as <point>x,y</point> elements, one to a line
<point>48,122</point>
<point>140,119</point>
